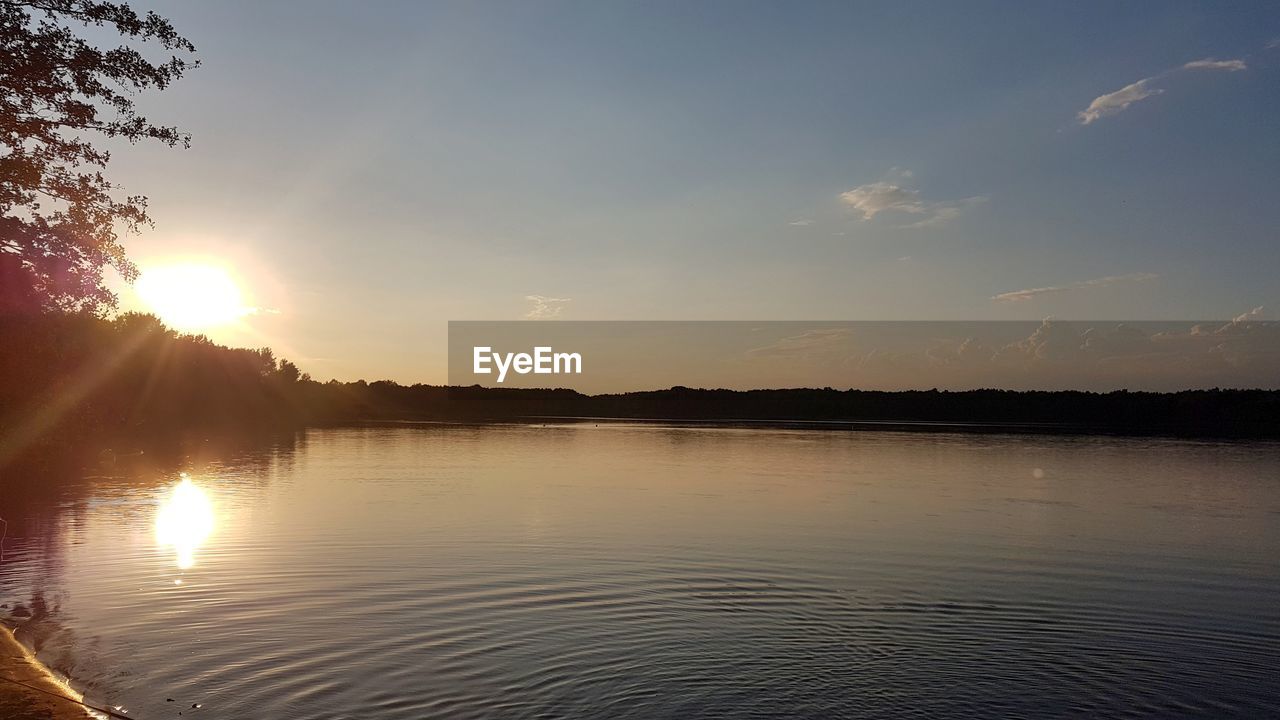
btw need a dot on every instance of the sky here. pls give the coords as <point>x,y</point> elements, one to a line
<point>1053,354</point>
<point>370,171</point>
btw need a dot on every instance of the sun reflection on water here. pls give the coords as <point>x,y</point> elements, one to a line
<point>185,521</point>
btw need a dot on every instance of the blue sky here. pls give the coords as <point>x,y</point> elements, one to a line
<point>373,170</point>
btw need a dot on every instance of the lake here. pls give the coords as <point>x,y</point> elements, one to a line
<point>642,571</point>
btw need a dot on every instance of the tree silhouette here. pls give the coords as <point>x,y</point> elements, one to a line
<point>59,217</point>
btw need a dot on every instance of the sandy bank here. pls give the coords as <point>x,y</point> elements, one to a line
<point>42,700</point>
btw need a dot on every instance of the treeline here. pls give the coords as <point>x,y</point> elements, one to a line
<point>128,382</point>
<point>1218,413</point>
<point>77,379</point>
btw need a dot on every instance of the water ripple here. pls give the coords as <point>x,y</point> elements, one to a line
<point>398,574</point>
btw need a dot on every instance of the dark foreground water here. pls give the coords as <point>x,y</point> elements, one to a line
<point>650,572</point>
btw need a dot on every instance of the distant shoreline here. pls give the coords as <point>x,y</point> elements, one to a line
<point>1190,413</point>
<point>914,426</point>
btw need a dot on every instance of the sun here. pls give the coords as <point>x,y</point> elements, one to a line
<point>191,296</point>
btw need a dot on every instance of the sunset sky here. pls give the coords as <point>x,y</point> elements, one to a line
<point>367,172</point>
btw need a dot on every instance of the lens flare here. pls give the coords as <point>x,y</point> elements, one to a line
<point>185,521</point>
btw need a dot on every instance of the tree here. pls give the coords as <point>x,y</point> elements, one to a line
<point>60,218</point>
<point>289,372</point>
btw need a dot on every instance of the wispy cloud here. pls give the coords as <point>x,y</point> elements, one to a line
<point>1120,100</point>
<point>1254,314</point>
<point>801,222</point>
<point>874,198</point>
<point>1031,293</point>
<point>894,194</point>
<point>1211,64</point>
<point>811,343</point>
<point>940,213</point>
<point>1117,101</point>
<point>545,308</point>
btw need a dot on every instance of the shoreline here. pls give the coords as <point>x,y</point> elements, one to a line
<point>1172,432</point>
<point>42,696</point>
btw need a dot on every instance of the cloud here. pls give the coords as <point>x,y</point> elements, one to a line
<point>1211,64</point>
<point>1244,352</point>
<point>1047,355</point>
<point>1240,353</point>
<point>1030,293</point>
<point>545,308</point>
<point>1254,314</point>
<point>1120,100</point>
<point>940,213</point>
<point>877,197</point>
<point>811,344</point>
<point>1114,102</point>
<point>958,353</point>
<point>893,194</point>
<point>801,223</point>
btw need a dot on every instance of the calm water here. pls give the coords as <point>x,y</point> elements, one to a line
<point>649,572</point>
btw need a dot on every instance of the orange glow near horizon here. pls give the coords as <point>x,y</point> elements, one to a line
<point>192,296</point>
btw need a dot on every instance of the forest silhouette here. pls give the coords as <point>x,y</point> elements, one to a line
<point>74,380</point>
